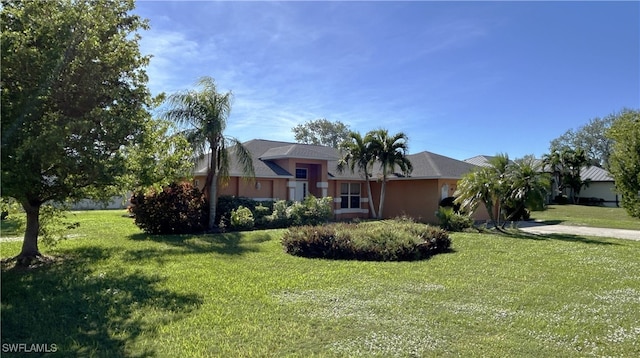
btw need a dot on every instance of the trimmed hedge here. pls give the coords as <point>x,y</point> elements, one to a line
<point>393,240</point>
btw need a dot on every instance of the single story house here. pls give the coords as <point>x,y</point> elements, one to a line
<point>291,171</point>
<point>601,187</point>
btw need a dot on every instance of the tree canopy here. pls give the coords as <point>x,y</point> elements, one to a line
<point>74,95</point>
<point>322,132</point>
<point>591,138</point>
<point>625,159</point>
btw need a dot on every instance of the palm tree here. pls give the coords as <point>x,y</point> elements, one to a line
<point>488,185</point>
<point>528,186</point>
<point>205,112</point>
<point>357,155</point>
<point>475,187</point>
<point>389,152</point>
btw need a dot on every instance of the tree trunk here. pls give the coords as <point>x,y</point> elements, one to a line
<point>371,206</point>
<point>30,244</point>
<point>382,194</point>
<point>213,201</point>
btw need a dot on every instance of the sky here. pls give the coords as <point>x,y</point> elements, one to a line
<point>459,78</point>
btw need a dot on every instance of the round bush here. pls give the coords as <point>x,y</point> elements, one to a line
<point>396,240</point>
<point>176,209</point>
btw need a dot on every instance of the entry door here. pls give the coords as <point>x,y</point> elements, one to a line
<point>301,190</point>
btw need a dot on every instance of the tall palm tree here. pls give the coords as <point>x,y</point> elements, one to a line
<point>389,152</point>
<point>356,154</point>
<point>205,113</point>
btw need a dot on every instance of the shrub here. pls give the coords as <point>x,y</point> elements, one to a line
<point>242,219</point>
<point>395,240</point>
<point>312,211</point>
<point>176,209</point>
<point>452,221</point>
<point>450,202</point>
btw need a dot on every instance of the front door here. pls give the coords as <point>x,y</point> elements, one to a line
<point>302,189</point>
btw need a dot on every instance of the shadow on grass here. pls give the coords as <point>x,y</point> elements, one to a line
<point>560,237</point>
<point>84,312</point>
<point>234,243</point>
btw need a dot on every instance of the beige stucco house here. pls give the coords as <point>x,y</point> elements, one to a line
<point>291,171</point>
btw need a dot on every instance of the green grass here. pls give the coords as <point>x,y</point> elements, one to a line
<point>118,292</point>
<point>594,216</point>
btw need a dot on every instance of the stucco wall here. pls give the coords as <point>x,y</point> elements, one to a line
<point>603,190</point>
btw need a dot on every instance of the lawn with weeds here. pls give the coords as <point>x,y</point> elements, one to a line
<point>594,216</point>
<point>115,291</point>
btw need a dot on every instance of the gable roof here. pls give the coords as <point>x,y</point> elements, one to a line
<point>426,165</point>
<point>594,173</point>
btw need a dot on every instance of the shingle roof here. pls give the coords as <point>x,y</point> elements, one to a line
<point>426,165</point>
<point>431,165</point>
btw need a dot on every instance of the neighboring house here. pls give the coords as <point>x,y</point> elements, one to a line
<point>291,171</point>
<point>601,187</point>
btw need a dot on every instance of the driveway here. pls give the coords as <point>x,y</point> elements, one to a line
<point>540,228</point>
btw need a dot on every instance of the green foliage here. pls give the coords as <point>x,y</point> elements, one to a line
<point>54,224</point>
<point>176,209</point>
<point>242,219</point>
<point>394,240</point>
<point>452,221</point>
<point>389,151</point>
<point>74,97</point>
<point>321,132</point>
<point>565,165</point>
<point>592,138</point>
<point>160,158</point>
<point>514,187</point>
<point>625,159</point>
<point>205,112</point>
<point>311,211</point>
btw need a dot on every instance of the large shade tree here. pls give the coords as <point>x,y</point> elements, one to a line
<point>204,112</point>
<point>322,132</point>
<point>358,156</point>
<point>625,159</point>
<point>73,96</point>
<point>389,152</point>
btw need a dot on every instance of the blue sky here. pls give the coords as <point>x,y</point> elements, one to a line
<point>459,78</point>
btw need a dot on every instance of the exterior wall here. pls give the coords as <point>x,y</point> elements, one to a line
<point>601,190</point>
<point>116,202</point>
<point>345,214</point>
<point>415,198</point>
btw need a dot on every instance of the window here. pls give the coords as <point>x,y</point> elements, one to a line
<point>301,173</point>
<point>350,195</point>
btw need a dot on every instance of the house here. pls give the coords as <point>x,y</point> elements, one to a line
<point>600,188</point>
<point>291,171</point>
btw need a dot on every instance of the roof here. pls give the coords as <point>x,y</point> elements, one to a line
<point>426,165</point>
<point>480,160</point>
<point>593,173</point>
<point>431,165</point>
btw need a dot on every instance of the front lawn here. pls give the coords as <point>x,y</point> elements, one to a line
<point>115,291</point>
<point>594,216</point>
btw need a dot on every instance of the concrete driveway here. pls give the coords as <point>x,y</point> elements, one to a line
<point>541,228</point>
